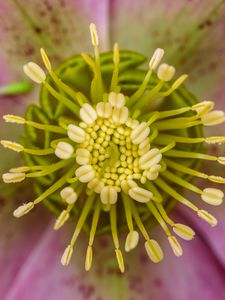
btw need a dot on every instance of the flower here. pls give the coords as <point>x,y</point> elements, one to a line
<point>117,153</point>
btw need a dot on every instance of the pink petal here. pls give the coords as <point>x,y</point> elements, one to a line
<point>191,32</point>
<point>196,275</point>
<point>19,238</point>
<point>213,237</point>
<point>61,27</point>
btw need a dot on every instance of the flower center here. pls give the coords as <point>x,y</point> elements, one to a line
<point>114,150</point>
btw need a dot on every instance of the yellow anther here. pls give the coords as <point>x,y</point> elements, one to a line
<point>13,177</point>
<point>94,35</point>
<point>85,173</point>
<point>14,119</point>
<point>46,60</point>
<point>154,251</point>
<point>156,58</point>
<point>140,194</point>
<point>61,220</point>
<point>66,257</point>
<point>23,209</point>
<point>176,247</point>
<point>34,72</point>
<point>69,195</point>
<point>165,72</point>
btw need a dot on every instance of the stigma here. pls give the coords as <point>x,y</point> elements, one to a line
<point>115,148</point>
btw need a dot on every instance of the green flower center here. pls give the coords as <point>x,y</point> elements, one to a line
<point>112,146</point>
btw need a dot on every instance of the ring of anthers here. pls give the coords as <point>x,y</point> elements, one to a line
<point>114,156</point>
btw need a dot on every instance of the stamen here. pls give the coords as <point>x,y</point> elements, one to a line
<point>113,220</point>
<point>174,86</point>
<point>201,213</point>
<point>148,96</point>
<point>104,109</point>
<point>20,120</point>
<point>58,81</point>
<point>69,195</point>
<point>183,231</point>
<point>156,58</point>
<point>126,185</point>
<point>46,60</point>
<point>61,98</point>
<point>140,194</point>
<point>217,179</point>
<point>13,177</point>
<point>173,112</point>
<point>157,197</point>
<point>34,72</point>
<point>153,118</point>
<point>97,85</point>
<point>152,247</point>
<point>85,173</point>
<point>22,169</point>
<point>212,196</point>
<point>207,217</point>
<point>172,240</point>
<point>184,169</point>
<point>139,134</point>
<point>66,257</point>
<point>76,133</point>
<point>120,115</point>
<point>154,251</point>
<point>212,118</point>
<point>165,72</point>
<point>203,107</point>
<point>116,61</point>
<point>46,127</point>
<point>149,159</point>
<point>23,209</point>
<point>185,154</point>
<point>169,190</point>
<point>154,62</point>
<point>62,218</point>
<point>164,139</point>
<point>141,89</point>
<point>57,185</point>
<point>94,35</point>
<point>108,195</point>
<point>64,150</point>
<point>176,247</point>
<point>168,147</point>
<point>177,180</point>
<point>215,139</point>
<point>48,169</point>
<point>88,114</point>
<point>82,156</point>
<point>133,236</point>
<point>14,119</point>
<point>176,123</point>
<point>12,146</point>
<point>131,240</point>
<point>96,185</point>
<point>85,211</point>
<point>116,99</point>
<point>89,255</point>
